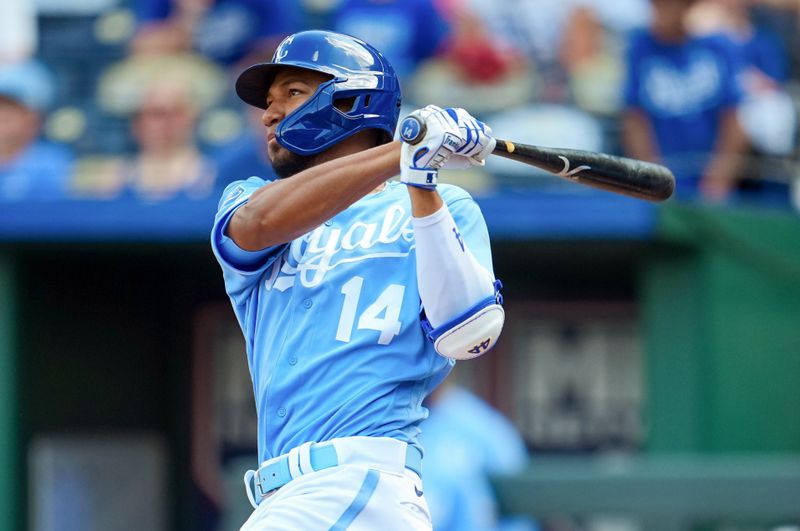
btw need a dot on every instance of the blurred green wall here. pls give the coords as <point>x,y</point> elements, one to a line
<point>100,340</point>
<point>721,308</point>
<point>10,509</point>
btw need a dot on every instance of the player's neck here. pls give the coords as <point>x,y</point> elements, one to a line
<point>357,143</point>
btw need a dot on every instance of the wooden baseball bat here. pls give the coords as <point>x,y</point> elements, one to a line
<point>621,175</point>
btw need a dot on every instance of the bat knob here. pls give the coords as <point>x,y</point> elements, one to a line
<point>412,130</point>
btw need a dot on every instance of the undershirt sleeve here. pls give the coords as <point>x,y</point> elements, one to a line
<point>449,278</point>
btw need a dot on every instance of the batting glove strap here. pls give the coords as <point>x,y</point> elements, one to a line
<point>419,177</point>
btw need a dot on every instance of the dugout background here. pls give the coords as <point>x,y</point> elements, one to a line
<point>99,341</point>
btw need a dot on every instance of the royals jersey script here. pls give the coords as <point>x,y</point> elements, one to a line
<point>332,320</point>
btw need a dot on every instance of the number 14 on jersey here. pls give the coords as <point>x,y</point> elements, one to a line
<point>383,315</point>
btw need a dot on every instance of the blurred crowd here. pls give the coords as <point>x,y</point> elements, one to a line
<point>115,99</point>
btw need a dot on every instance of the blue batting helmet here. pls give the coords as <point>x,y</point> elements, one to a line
<point>359,71</point>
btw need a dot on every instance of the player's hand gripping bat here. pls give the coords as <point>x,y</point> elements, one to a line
<point>631,177</point>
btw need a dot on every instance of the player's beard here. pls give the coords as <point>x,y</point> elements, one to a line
<point>288,163</point>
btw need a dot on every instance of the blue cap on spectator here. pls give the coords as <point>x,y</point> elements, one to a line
<point>29,83</point>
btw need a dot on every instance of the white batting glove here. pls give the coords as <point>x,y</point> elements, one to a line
<point>478,140</point>
<point>441,138</point>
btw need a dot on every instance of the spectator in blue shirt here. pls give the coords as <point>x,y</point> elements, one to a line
<point>466,441</point>
<point>30,168</point>
<point>223,30</point>
<point>681,97</point>
<point>406,31</point>
<point>767,113</point>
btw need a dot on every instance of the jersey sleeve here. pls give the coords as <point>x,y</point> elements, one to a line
<point>241,268</point>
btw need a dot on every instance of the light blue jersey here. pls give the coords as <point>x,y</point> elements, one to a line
<point>331,320</point>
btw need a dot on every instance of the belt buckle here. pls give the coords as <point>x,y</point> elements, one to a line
<point>260,492</point>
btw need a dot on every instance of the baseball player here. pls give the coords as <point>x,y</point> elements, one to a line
<point>355,293</point>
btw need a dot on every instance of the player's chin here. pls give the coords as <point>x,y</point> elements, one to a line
<point>279,159</point>
<point>285,163</point>
<point>275,151</point>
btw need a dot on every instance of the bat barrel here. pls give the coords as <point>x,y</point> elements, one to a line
<point>636,178</point>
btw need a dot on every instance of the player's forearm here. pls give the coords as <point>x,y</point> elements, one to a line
<point>289,208</point>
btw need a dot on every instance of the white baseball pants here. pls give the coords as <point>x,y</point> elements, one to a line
<point>368,492</point>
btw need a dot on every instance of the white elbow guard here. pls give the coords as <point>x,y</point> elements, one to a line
<point>472,333</point>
